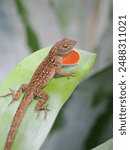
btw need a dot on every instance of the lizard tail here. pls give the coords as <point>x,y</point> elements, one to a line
<point>17,120</point>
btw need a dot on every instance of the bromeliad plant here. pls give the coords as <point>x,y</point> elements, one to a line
<point>32,132</point>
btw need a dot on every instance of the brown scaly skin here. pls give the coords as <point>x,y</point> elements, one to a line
<point>50,66</point>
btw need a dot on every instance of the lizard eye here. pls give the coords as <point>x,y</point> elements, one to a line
<point>65,46</point>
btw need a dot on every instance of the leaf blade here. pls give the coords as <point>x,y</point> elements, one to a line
<point>108,145</point>
<point>32,132</point>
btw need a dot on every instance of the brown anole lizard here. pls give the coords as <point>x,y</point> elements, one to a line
<point>50,66</point>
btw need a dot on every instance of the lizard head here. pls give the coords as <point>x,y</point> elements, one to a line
<point>64,47</point>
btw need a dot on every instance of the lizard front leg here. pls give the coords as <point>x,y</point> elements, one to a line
<point>16,94</point>
<point>40,105</point>
<point>63,74</point>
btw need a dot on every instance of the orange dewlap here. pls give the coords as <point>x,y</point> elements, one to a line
<point>72,58</point>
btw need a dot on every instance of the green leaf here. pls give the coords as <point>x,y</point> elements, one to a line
<point>32,132</point>
<point>108,145</point>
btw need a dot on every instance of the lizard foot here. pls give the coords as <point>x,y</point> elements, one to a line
<point>13,93</point>
<point>71,74</point>
<point>40,109</point>
<point>16,94</point>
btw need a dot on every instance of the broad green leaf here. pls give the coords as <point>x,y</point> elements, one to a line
<point>32,132</point>
<point>108,145</point>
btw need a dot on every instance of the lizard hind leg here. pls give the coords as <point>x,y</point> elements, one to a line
<point>16,94</point>
<point>40,105</point>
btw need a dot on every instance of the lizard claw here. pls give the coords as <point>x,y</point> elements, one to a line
<point>38,114</point>
<point>72,74</point>
<point>45,111</point>
<point>11,93</point>
<point>13,100</point>
<point>5,95</point>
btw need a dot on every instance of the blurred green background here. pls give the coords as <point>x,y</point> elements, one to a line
<point>28,25</point>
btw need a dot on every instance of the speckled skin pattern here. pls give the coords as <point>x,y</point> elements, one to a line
<point>50,66</point>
